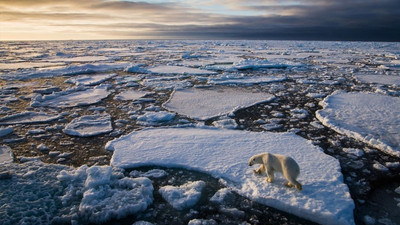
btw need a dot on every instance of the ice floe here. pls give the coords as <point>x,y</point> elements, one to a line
<point>253,64</point>
<point>224,154</point>
<point>201,103</point>
<point>131,95</point>
<point>90,80</point>
<point>155,118</point>
<point>65,70</point>
<point>379,79</point>
<point>368,117</point>
<point>28,117</point>
<point>184,196</point>
<point>89,125</point>
<point>77,96</point>
<point>5,131</point>
<point>246,80</point>
<point>6,154</point>
<point>167,70</point>
<point>41,193</point>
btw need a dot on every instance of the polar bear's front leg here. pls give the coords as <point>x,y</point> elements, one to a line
<point>260,170</point>
<point>271,176</point>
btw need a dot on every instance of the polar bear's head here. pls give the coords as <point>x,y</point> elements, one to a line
<point>256,159</point>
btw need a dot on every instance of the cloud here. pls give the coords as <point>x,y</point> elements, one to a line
<point>265,19</point>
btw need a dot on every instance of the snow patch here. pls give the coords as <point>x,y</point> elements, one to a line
<point>90,80</point>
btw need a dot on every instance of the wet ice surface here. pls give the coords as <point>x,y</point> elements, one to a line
<point>294,77</point>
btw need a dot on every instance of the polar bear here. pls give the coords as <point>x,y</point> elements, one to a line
<point>271,163</point>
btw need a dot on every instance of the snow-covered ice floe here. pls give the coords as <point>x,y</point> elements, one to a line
<point>224,154</point>
<point>39,193</point>
<point>89,125</point>
<point>6,155</point>
<point>77,96</point>
<point>184,196</point>
<point>200,103</point>
<point>131,95</point>
<point>246,80</point>
<point>28,117</point>
<point>179,70</point>
<point>368,117</point>
<point>378,79</point>
<point>90,80</point>
<point>65,70</point>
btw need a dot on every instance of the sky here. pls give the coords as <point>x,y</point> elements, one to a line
<point>353,20</point>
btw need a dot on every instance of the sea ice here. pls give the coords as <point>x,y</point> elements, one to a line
<point>253,64</point>
<point>131,95</point>
<point>379,79</point>
<point>5,131</point>
<point>184,196</point>
<point>77,96</point>
<point>246,80</point>
<point>371,118</point>
<point>154,118</point>
<point>6,155</point>
<point>65,70</point>
<point>224,154</point>
<point>28,117</point>
<point>90,80</point>
<point>166,70</point>
<point>41,193</point>
<point>89,125</point>
<point>199,103</point>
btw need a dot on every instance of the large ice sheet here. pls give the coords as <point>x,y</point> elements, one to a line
<point>39,193</point>
<point>78,96</point>
<point>89,125</point>
<point>90,80</point>
<point>65,70</point>
<point>246,80</point>
<point>379,79</point>
<point>199,103</point>
<point>28,117</point>
<point>179,70</point>
<point>371,118</point>
<point>225,153</point>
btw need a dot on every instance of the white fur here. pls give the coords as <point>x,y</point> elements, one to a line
<point>271,163</point>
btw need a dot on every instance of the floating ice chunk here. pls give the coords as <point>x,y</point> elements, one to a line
<point>55,194</point>
<point>6,155</point>
<point>379,79</point>
<point>72,97</point>
<point>224,154</point>
<point>142,223</point>
<point>160,85</point>
<point>5,131</point>
<point>66,70</point>
<point>371,118</point>
<point>246,80</point>
<point>184,196</point>
<point>135,68</point>
<point>220,195</point>
<point>154,173</point>
<point>253,64</point>
<point>202,222</point>
<point>28,117</point>
<point>162,70</point>
<point>299,113</point>
<point>354,151</point>
<point>380,167</point>
<point>207,103</point>
<point>153,118</point>
<point>131,95</point>
<point>89,125</point>
<point>46,90</point>
<point>90,80</point>
<point>226,123</point>
<point>86,58</point>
